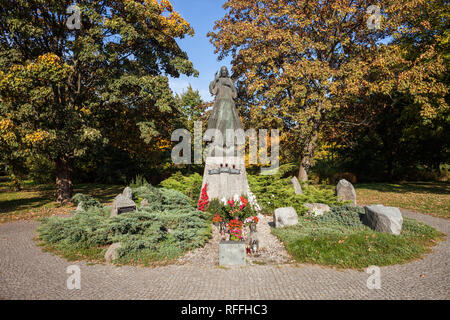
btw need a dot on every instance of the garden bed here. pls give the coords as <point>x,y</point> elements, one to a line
<point>157,234</point>
<point>339,239</point>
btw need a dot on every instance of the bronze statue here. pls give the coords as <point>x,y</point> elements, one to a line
<point>224,115</point>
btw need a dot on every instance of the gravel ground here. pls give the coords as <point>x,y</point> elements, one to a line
<point>26,272</point>
<point>271,250</point>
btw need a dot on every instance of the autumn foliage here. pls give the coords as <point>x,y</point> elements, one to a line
<point>297,62</point>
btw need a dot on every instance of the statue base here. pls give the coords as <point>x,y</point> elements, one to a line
<point>226,177</point>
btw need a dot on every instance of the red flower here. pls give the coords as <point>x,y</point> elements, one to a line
<point>235,224</point>
<point>244,203</point>
<point>217,218</point>
<point>203,202</point>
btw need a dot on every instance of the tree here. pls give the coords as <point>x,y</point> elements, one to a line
<point>405,123</point>
<point>64,89</point>
<point>297,61</point>
<point>192,106</point>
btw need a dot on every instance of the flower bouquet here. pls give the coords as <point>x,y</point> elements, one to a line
<point>251,220</point>
<point>235,230</point>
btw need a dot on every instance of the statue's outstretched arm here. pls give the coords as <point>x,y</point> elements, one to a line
<point>212,88</point>
<point>212,85</point>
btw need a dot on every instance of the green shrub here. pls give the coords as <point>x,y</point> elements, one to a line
<point>161,199</point>
<point>87,201</point>
<point>161,232</point>
<point>273,192</point>
<point>138,181</point>
<point>189,185</point>
<point>40,169</point>
<point>215,206</point>
<point>347,215</point>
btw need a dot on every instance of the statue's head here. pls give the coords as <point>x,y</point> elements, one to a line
<point>224,72</point>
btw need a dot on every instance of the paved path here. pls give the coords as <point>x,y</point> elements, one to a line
<point>28,273</point>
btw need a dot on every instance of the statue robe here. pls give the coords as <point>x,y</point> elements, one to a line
<point>224,114</point>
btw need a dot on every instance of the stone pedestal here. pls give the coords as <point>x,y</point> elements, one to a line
<point>232,253</point>
<point>226,177</point>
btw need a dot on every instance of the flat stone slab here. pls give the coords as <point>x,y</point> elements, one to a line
<point>232,253</point>
<point>383,219</point>
<point>283,217</point>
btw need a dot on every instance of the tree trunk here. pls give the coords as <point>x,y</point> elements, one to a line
<point>305,161</point>
<point>303,172</point>
<point>64,186</point>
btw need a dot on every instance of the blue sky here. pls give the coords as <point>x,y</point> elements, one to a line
<point>201,14</point>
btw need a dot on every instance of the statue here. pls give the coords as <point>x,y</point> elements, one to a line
<point>224,173</point>
<point>224,115</point>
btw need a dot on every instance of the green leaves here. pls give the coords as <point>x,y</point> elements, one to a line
<point>161,232</point>
<point>86,86</point>
<point>299,61</point>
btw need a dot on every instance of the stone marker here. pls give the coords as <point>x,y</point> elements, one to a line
<point>144,203</point>
<point>232,253</point>
<point>123,203</point>
<point>128,193</point>
<point>316,209</point>
<point>297,186</point>
<point>383,219</point>
<point>111,254</point>
<point>283,217</point>
<point>80,207</point>
<point>345,191</point>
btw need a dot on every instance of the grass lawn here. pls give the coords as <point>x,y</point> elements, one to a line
<point>339,239</point>
<point>36,201</point>
<point>431,198</point>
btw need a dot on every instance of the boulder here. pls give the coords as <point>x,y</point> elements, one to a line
<point>297,186</point>
<point>383,219</point>
<point>345,191</point>
<point>316,209</point>
<point>111,254</point>
<point>283,217</point>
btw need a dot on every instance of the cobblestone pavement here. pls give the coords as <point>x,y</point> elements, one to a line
<point>28,273</point>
